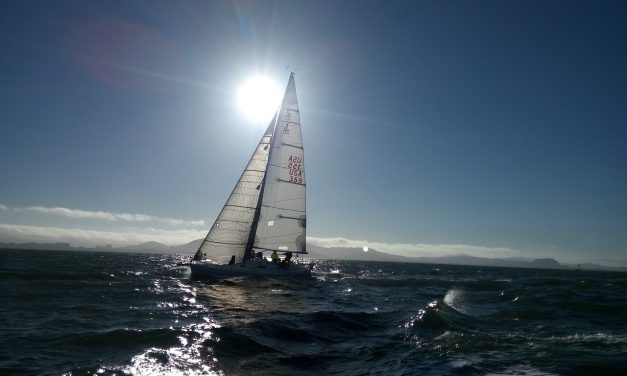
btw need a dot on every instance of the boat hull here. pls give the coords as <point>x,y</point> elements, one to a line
<point>205,270</point>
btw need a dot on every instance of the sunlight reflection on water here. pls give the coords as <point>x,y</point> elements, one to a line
<point>188,359</point>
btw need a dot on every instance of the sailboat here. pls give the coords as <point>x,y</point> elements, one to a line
<point>266,209</point>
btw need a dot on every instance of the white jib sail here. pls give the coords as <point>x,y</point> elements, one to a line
<point>230,232</point>
<point>282,220</point>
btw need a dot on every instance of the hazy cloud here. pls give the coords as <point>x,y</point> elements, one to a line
<point>3,207</point>
<point>109,216</point>
<point>82,236</point>
<point>416,249</point>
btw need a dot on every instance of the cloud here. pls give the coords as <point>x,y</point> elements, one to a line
<point>82,236</point>
<point>130,228</point>
<point>416,249</point>
<point>109,216</point>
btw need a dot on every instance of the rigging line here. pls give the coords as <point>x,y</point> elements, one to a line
<point>225,243</point>
<point>230,220</point>
<point>274,207</point>
<point>290,122</point>
<point>287,199</point>
<point>232,230</point>
<point>229,225</point>
<point>293,218</point>
<point>293,146</point>
<point>238,210</point>
<point>246,196</point>
<point>240,206</point>
<point>283,165</point>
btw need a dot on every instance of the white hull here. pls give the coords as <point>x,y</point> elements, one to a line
<point>205,270</point>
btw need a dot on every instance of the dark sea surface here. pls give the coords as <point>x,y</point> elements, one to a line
<point>82,313</point>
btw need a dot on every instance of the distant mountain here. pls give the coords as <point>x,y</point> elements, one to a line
<point>546,263</point>
<point>461,259</point>
<point>156,247</point>
<point>190,247</point>
<point>316,252</point>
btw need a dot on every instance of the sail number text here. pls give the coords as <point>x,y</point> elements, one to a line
<point>294,166</point>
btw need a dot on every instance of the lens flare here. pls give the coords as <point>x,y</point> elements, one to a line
<point>259,98</point>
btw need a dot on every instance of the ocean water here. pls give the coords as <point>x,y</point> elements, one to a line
<point>82,313</point>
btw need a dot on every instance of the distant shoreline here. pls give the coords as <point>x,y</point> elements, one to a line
<point>320,253</point>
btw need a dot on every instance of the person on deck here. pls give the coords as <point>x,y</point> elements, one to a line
<point>275,257</point>
<point>286,261</point>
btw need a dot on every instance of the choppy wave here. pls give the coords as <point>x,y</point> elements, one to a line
<point>103,313</point>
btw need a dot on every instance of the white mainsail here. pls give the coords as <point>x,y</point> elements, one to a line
<point>266,210</point>
<point>282,219</point>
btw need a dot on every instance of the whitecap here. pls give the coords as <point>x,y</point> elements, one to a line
<point>453,299</point>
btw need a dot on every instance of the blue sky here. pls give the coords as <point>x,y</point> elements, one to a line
<point>487,127</point>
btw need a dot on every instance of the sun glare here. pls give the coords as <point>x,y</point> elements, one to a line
<point>259,98</point>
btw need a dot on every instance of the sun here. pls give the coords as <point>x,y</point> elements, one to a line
<point>259,98</point>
